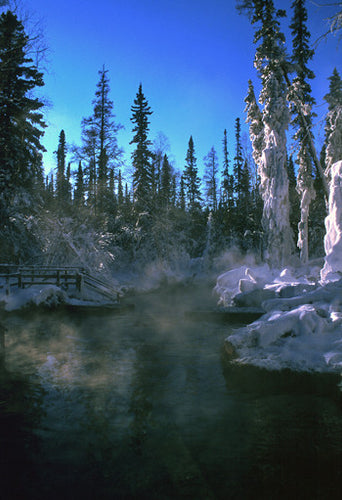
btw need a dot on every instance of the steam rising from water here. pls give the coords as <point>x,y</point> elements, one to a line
<point>137,406</point>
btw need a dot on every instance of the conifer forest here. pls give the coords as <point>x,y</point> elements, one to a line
<point>103,210</point>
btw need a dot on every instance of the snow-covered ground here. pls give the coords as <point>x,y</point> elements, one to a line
<point>47,296</point>
<point>302,325</point>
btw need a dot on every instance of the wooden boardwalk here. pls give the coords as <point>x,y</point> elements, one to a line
<point>64,277</point>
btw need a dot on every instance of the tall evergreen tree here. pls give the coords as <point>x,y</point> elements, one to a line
<point>238,161</point>
<point>270,60</point>
<point>61,182</point>
<point>210,178</point>
<point>100,147</point>
<point>161,147</point>
<point>141,156</point>
<point>120,192</point>
<point>245,197</point>
<point>256,126</point>
<point>166,182</point>
<point>318,213</point>
<point>293,196</point>
<point>191,179</point>
<point>227,178</point>
<point>302,102</point>
<point>79,186</point>
<point>333,127</point>
<point>21,121</point>
<point>181,197</point>
<point>68,186</point>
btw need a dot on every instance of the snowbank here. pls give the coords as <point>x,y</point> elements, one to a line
<point>48,297</point>
<point>302,325</point>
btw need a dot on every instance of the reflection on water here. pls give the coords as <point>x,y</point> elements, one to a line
<point>144,406</point>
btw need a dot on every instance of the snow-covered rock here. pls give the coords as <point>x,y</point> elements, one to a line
<point>302,326</point>
<point>255,298</point>
<point>243,279</point>
<point>50,296</point>
<point>306,338</point>
<point>332,269</point>
<point>227,284</point>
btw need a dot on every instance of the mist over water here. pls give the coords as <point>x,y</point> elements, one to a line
<point>144,405</point>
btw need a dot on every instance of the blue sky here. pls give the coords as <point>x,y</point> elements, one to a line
<point>193,58</point>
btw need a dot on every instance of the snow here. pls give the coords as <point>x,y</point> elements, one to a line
<point>302,325</point>
<point>274,189</point>
<point>301,328</point>
<point>48,296</point>
<point>332,269</point>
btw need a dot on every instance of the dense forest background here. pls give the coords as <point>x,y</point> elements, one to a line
<point>97,211</point>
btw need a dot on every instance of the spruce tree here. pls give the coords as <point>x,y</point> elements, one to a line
<point>293,196</point>
<point>141,156</point>
<point>21,121</point>
<point>302,102</point>
<point>79,187</point>
<point>318,213</point>
<point>191,179</point>
<point>227,178</point>
<point>181,197</point>
<point>238,161</point>
<point>120,192</point>
<point>61,181</point>
<point>68,186</point>
<point>270,60</point>
<point>100,148</point>
<point>256,126</point>
<point>333,127</point>
<point>210,178</point>
<point>245,197</point>
<point>166,182</point>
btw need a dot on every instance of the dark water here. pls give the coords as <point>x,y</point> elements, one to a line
<point>144,405</point>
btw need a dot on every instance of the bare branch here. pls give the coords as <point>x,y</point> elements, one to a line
<point>37,48</point>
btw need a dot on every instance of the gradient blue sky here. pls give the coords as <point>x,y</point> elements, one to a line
<point>193,58</point>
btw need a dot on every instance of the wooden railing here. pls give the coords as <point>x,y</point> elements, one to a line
<point>24,276</point>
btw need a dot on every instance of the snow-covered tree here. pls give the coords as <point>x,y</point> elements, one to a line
<point>333,126</point>
<point>274,186</point>
<point>256,127</point>
<point>301,107</point>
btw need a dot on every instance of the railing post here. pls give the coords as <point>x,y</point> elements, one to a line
<point>58,277</point>
<point>79,282</point>
<point>3,330</point>
<point>8,286</point>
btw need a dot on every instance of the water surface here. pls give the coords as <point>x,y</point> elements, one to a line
<point>145,405</point>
